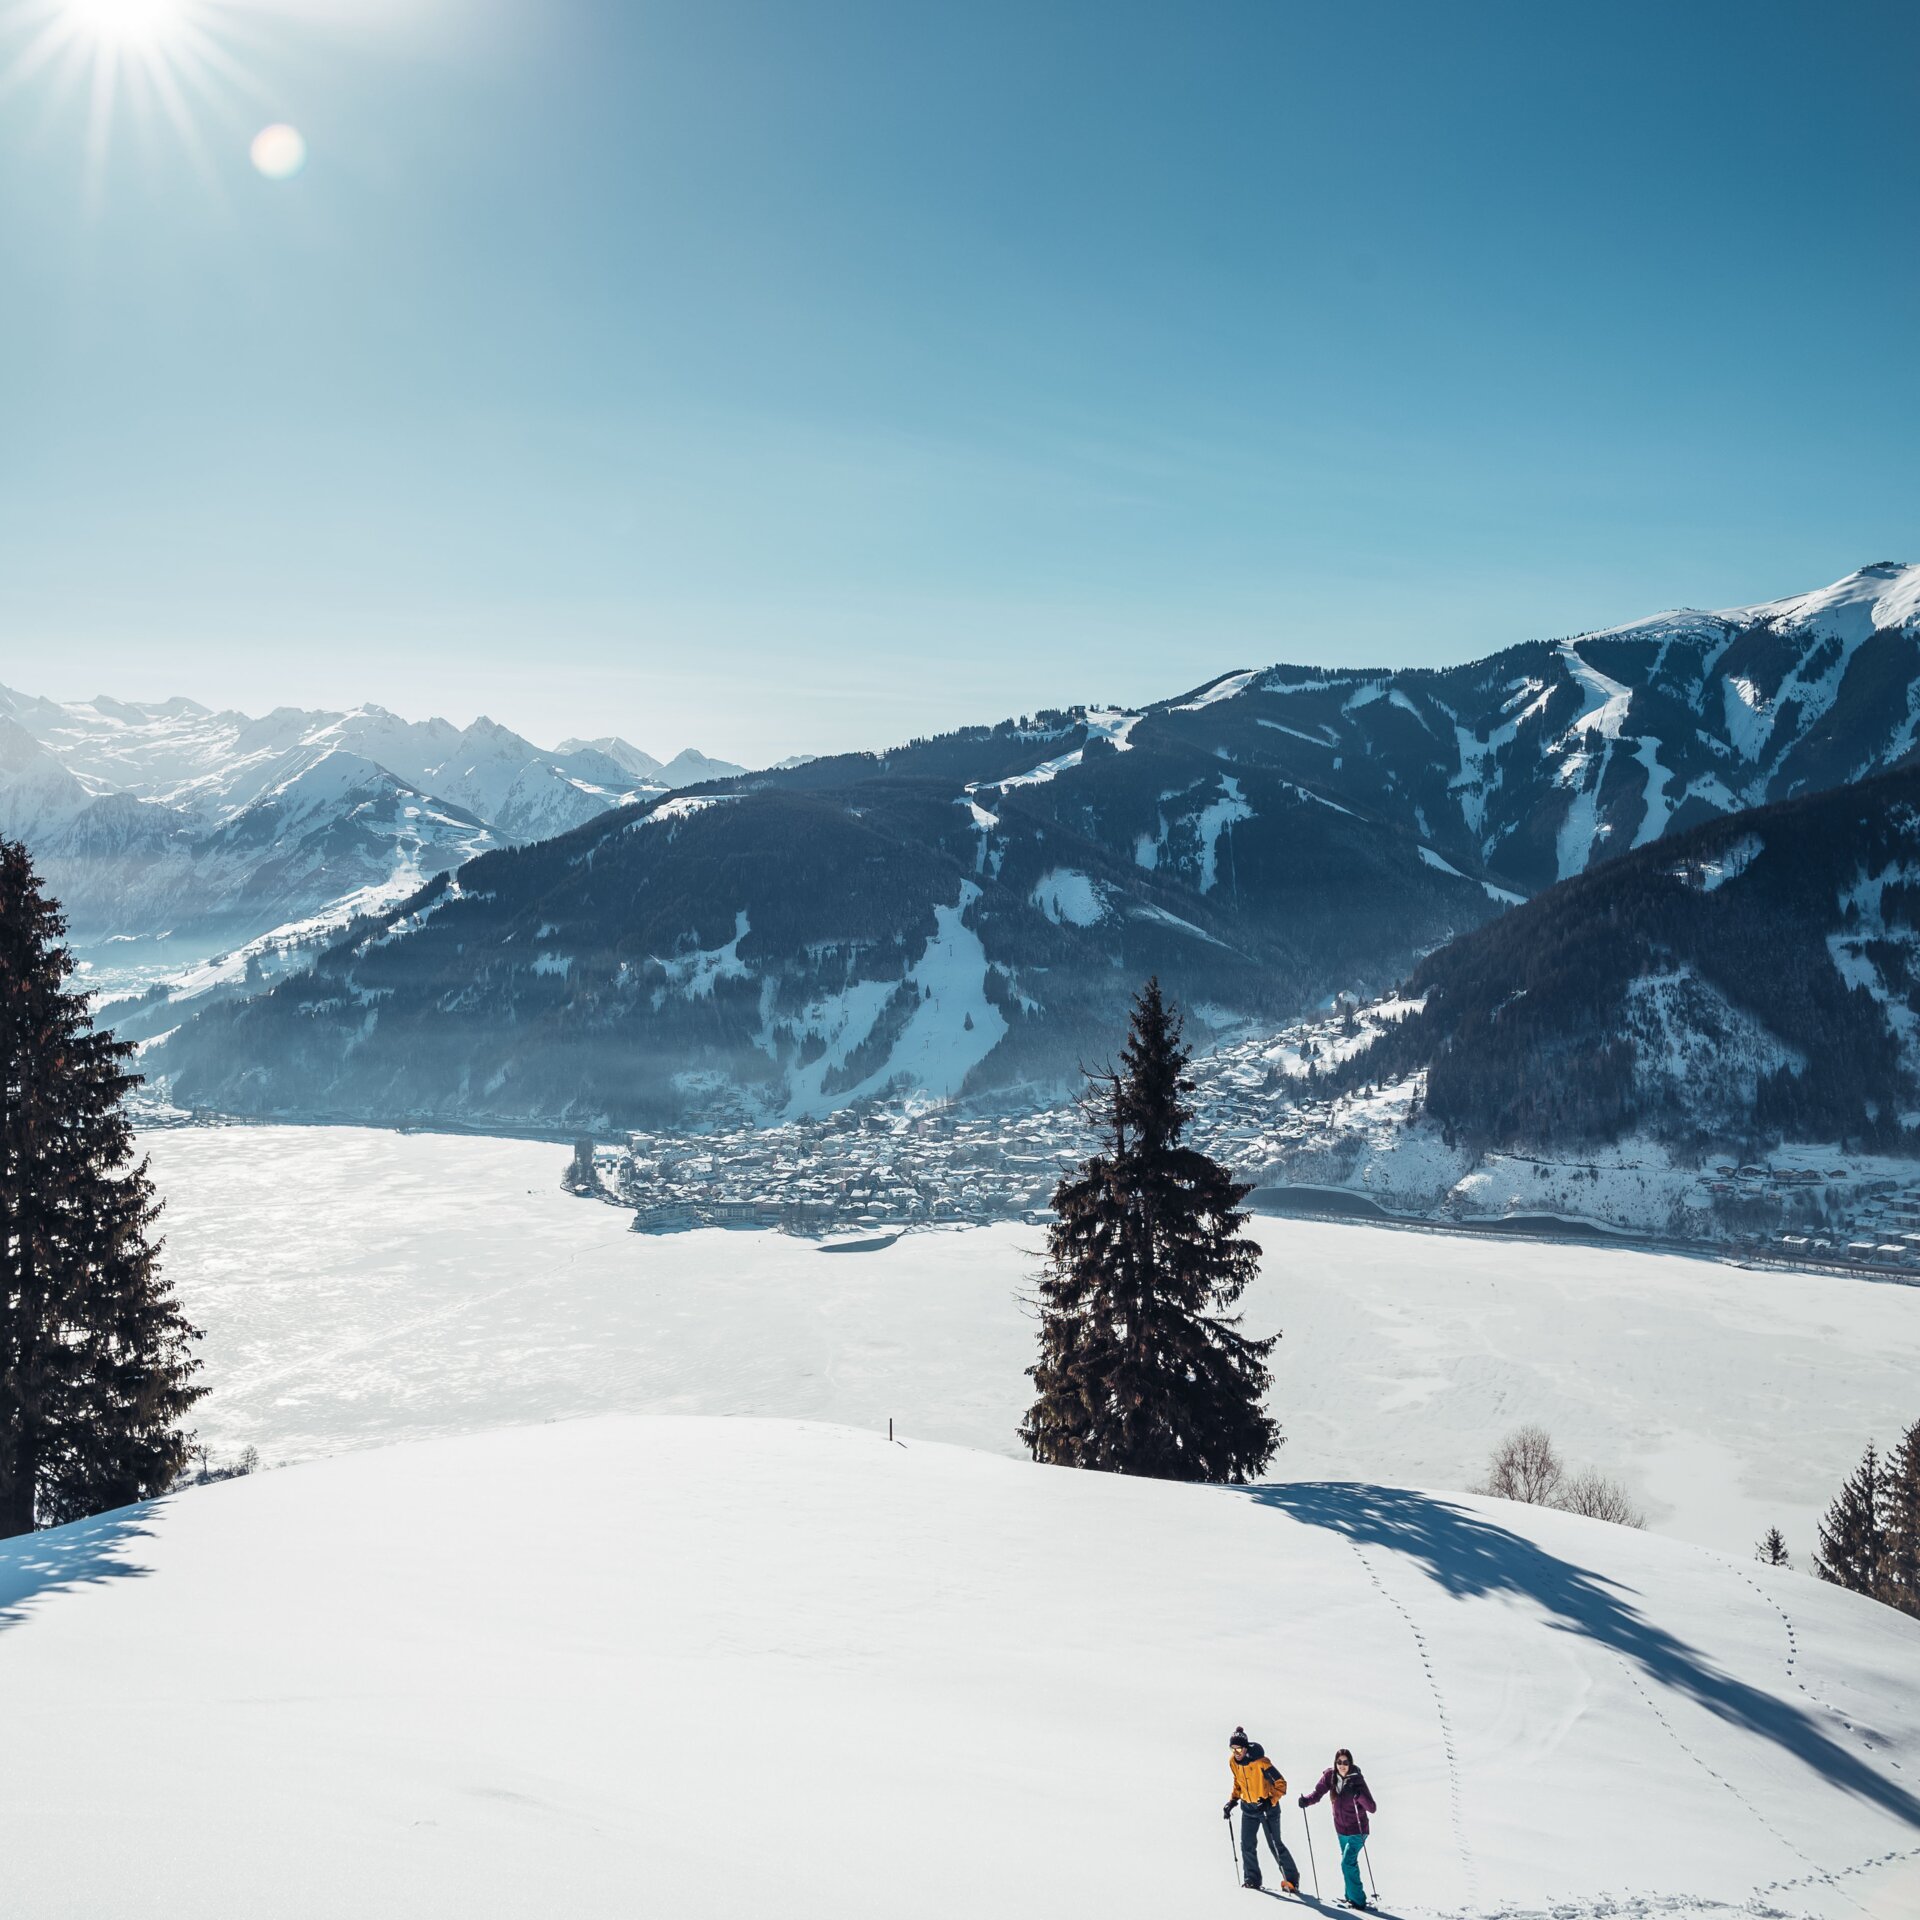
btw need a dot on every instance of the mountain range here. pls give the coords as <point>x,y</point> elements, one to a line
<point>968,914</point>
<point>171,822</point>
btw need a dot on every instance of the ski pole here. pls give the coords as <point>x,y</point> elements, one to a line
<point>1311,1861</point>
<point>1366,1860</point>
<point>1232,1849</point>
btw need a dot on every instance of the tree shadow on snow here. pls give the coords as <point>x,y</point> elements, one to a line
<point>1470,1556</point>
<point>34,1566</point>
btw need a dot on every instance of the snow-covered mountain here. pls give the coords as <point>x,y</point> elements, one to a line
<point>967,914</point>
<point>169,821</point>
<point>1539,761</point>
<point>910,1648</point>
<point>1753,980</point>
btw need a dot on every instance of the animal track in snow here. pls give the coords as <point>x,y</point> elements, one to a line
<point>1440,1710</point>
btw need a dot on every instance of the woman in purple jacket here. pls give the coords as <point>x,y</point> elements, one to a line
<point>1351,1805</point>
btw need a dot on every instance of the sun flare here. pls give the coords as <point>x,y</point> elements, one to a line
<point>170,59</point>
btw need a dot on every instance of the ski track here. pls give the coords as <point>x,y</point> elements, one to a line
<point>1446,1726</point>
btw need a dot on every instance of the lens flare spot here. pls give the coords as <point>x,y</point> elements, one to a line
<point>278,151</point>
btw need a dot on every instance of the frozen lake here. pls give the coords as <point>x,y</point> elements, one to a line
<point>358,1287</point>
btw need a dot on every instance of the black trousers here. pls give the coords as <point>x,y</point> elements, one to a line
<point>1254,1821</point>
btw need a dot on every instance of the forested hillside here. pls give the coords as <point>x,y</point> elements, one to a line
<point>923,919</point>
<point>1756,979</point>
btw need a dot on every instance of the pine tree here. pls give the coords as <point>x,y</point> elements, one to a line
<point>1899,1517</point>
<point>1142,1366</point>
<point>1772,1550</point>
<point>95,1373</point>
<point>1850,1546</point>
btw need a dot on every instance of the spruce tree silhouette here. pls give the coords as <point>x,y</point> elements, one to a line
<point>1850,1543</point>
<point>1143,1368</point>
<point>1899,1518</point>
<point>95,1372</point>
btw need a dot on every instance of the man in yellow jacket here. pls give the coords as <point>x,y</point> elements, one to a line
<point>1258,1789</point>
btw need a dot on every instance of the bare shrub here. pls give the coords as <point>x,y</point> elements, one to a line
<point>1591,1493</point>
<point>202,1469</point>
<point>1525,1467</point>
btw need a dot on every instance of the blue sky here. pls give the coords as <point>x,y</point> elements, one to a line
<point>781,377</point>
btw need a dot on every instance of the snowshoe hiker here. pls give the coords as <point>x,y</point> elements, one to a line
<point>1258,1790</point>
<point>1352,1802</point>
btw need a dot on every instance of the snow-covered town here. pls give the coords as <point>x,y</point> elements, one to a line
<point>886,1165</point>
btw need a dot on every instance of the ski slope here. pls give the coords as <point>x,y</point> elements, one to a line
<point>706,1667</point>
<point>358,1287</point>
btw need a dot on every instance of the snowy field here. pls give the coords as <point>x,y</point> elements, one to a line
<point>703,1668</point>
<point>359,1287</point>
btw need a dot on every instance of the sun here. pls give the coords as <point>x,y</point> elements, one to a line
<point>170,58</point>
<point>127,23</point>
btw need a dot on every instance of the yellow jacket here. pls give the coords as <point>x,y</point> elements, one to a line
<point>1256,1778</point>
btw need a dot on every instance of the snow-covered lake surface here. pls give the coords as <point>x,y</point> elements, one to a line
<point>706,1668</point>
<point>359,1287</point>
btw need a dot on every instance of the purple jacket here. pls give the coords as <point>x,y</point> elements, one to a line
<point>1351,1803</point>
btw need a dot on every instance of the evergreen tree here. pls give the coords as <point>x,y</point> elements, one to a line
<point>1850,1546</point>
<point>1142,1366</point>
<point>1900,1524</point>
<point>1772,1550</point>
<point>95,1374</point>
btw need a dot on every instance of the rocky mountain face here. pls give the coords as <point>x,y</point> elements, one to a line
<point>1756,979</point>
<point>968,914</point>
<point>171,822</point>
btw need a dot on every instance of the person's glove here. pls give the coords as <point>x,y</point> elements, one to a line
<point>1226,1812</point>
<point>1303,1803</point>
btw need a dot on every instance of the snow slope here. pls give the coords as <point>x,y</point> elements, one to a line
<point>705,1668</point>
<point>358,1287</point>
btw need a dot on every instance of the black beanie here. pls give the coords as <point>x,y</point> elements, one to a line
<point>1239,1738</point>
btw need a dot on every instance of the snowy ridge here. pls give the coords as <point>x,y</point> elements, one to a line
<point>1542,760</point>
<point>1875,598</point>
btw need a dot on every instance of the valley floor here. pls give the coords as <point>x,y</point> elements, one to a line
<point>358,1287</point>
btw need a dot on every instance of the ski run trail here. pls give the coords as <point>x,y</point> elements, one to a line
<point>694,1667</point>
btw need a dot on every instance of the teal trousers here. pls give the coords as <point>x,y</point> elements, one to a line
<point>1350,1845</point>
